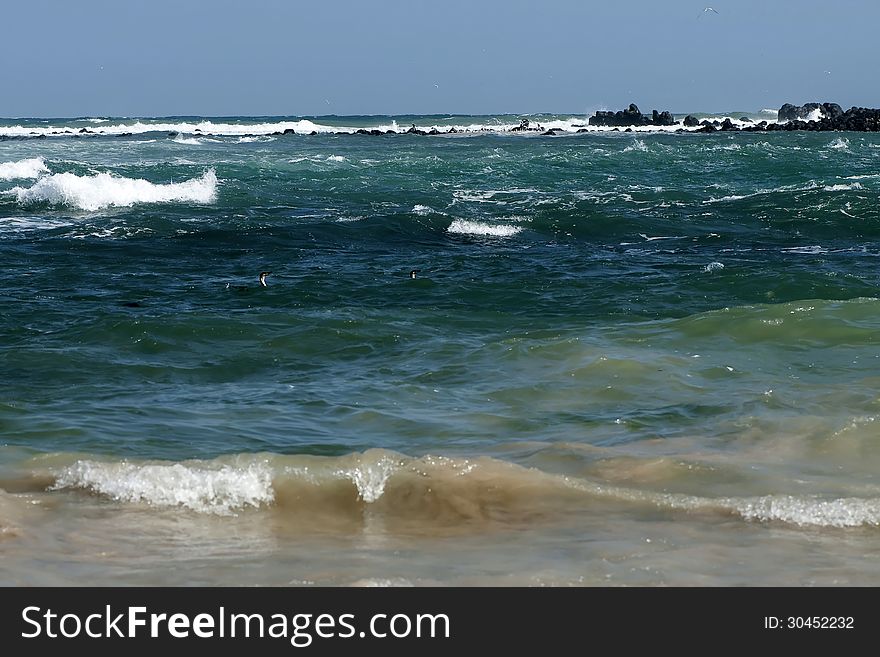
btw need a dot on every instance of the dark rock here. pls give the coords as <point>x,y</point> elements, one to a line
<point>580,130</point>
<point>387,132</point>
<point>727,126</point>
<point>745,119</point>
<point>690,121</point>
<point>275,134</point>
<point>376,133</point>
<point>631,116</point>
<point>707,127</point>
<point>85,131</point>
<point>288,131</point>
<point>789,112</point>
<point>451,131</point>
<point>361,131</point>
<point>523,125</point>
<point>433,131</point>
<point>313,133</point>
<point>832,110</point>
<point>665,118</point>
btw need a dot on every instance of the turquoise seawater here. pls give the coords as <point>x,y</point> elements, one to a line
<point>625,358</point>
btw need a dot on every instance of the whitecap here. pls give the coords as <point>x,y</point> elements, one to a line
<point>189,141</point>
<point>30,168</point>
<point>842,188</point>
<point>106,190</point>
<point>637,145</point>
<point>465,227</point>
<point>201,488</point>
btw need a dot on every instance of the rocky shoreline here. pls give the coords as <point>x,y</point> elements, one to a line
<point>815,117</point>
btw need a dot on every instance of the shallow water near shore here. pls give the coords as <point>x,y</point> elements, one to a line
<point>626,359</point>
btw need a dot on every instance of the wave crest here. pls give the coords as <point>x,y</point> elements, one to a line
<point>481,229</point>
<point>219,490</point>
<point>31,168</point>
<point>106,190</point>
<point>428,489</point>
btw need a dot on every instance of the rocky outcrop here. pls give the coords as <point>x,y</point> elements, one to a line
<point>809,112</point>
<point>631,117</point>
<point>831,117</point>
<point>690,121</point>
<point>526,126</point>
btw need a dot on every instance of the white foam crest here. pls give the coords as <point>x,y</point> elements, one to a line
<point>32,167</point>
<point>336,158</point>
<point>637,145</point>
<point>370,477</point>
<point>190,141</point>
<point>815,249</point>
<point>250,140</point>
<point>482,229</point>
<point>798,510</point>
<point>731,197</point>
<point>221,490</point>
<point>840,144</point>
<point>204,127</point>
<point>713,266</point>
<point>105,190</point>
<point>842,512</point>
<point>22,224</point>
<point>842,188</point>
<point>422,210</point>
<point>815,115</point>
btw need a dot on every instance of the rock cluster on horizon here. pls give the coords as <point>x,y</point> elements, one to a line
<point>832,117</point>
<point>631,117</point>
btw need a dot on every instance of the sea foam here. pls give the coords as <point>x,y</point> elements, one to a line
<point>106,190</point>
<point>202,488</point>
<point>478,228</point>
<point>31,168</point>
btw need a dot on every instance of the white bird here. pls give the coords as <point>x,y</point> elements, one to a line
<point>707,10</point>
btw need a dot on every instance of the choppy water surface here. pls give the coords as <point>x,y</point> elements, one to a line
<point>645,358</point>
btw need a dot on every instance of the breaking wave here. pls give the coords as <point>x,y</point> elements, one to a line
<point>106,190</point>
<point>481,229</point>
<point>31,168</point>
<point>429,488</point>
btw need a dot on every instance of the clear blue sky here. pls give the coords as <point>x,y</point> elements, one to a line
<point>279,57</point>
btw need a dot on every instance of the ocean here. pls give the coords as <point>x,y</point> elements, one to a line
<point>626,358</point>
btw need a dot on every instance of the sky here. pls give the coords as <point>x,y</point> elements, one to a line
<point>289,57</point>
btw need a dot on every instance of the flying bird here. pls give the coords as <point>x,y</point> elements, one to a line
<point>707,10</point>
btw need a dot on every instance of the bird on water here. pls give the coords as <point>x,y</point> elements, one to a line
<point>413,273</point>
<point>244,288</point>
